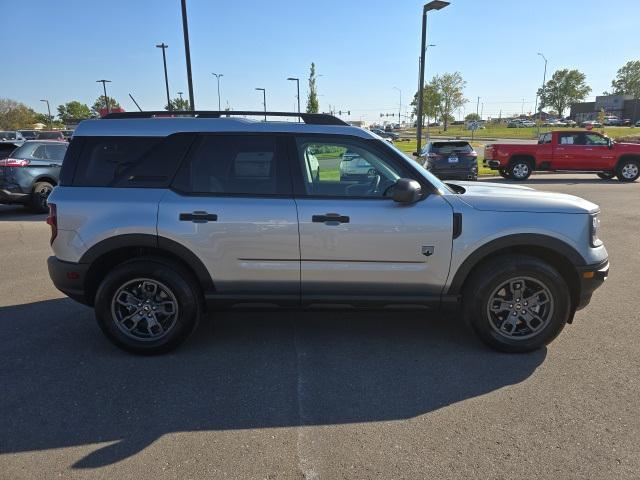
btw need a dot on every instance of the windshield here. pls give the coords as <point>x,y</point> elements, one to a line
<point>435,181</point>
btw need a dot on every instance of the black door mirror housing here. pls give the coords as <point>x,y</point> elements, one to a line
<point>609,143</point>
<point>406,190</point>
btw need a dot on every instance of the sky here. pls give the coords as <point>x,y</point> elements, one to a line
<point>56,50</point>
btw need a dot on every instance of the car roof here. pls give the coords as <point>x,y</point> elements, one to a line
<point>164,126</point>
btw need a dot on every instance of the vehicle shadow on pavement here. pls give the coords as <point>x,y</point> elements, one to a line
<point>64,384</point>
<point>541,180</point>
<point>18,213</point>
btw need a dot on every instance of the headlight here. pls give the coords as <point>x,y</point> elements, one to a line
<point>594,227</point>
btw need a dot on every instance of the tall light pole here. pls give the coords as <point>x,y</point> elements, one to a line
<point>419,69</point>
<point>164,46</point>
<point>104,88</point>
<point>180,95</point>
<point>297,80</point>
<point>218,75</point>
<point>433,5</point>
<point>187,52</point>
<point>400,105</point>
<point>49,111</point>
<point>264,102</point>
<point>544,80</point>
<point>473,130</point>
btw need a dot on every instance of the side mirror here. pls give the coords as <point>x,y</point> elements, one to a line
<point>609,143</point>
<point>406,190</point>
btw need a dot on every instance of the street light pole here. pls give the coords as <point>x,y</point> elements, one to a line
<point>264,102</point>
<point>187,52</point>
<point>297,80</point>
<point>218,75</point>
<point>433,5</point>
<point>400,106</point>
<point>544,80</point>
<point>104,88</point>
<point>49,112</point>
<point>164,46</point>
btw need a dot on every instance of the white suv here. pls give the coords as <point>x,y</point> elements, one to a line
<point>157,218</point>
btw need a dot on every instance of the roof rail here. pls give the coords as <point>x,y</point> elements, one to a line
<point>308,118</point>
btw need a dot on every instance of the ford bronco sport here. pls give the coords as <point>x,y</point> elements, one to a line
<point>156,219</point>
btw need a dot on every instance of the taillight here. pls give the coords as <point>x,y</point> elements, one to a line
<point>14,162</point>
<point>52,221</point>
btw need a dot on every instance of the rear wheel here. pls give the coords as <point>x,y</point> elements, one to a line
<point>148,305</point>
<point>38,201</point>
<point>606,175</point>
<point>628,170</point>
<point>520,169</point>
<point>516,303</point>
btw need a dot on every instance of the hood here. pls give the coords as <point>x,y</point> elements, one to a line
<point>514,198</point>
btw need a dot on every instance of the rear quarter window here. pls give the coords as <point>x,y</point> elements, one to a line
<point>133,162</point>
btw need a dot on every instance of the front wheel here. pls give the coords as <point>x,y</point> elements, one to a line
<point>148,305</point>
<point>39,197</point>
<point>516,303</point>
<point>628,170</point>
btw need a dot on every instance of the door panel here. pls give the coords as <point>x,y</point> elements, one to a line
<point>379,251</point>
<point>251,248</point>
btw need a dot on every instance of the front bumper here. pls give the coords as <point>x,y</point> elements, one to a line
<point>492,164</point>
<point>69,278</point>
<point>591,278</point>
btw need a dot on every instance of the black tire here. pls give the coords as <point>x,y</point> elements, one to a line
<point>606,175</point>
<point>170,276</point>
<point>504,173</point>
<point>491,327</point>
<point>520,169</point>
<point>628,170</point>
<point>39,195</point>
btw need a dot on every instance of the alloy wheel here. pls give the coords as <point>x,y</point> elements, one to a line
<point>629,171</point>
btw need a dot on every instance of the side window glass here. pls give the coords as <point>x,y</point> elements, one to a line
<point>40,153</point>
<point>55,152</point>
<point>593,139</point>
<point>344,168</point>
<point>235,164</point>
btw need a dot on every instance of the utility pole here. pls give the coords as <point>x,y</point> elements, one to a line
<point>104,88</point>
<point>218,75</point>
<point>49,112</point>
<point>544,80</point>
<point>297,80</point>
<point>264,102</point>
<point>399,106</point>
<point>187,52</point>
<point>164,46</point>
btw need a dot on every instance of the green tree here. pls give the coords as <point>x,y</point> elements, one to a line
<point>100,104</point>
<point>313,105</point>
<point>74,111</point>
<point>178,104</point>
<point>564,88</point>
<point>443,96</point>
<point>15,115</point>
<point>430,103</point>
<point>627,81</point>
<point>472,117</point>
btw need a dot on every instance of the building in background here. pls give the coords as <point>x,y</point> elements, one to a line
<point>620,106</point>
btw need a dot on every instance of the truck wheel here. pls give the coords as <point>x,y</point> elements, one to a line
<point>606,175</point>
<point>628,170</point>
<point>504,173</point>
<point>38,201</point>
<point>148,305</point>
<point>516,303</point>
<point>519,169</point>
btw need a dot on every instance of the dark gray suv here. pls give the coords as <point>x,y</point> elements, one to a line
<point>450,160</point>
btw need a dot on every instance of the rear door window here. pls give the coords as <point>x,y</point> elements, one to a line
<point>235,165</point>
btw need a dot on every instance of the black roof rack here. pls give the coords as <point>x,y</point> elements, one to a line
<point>308,118</point>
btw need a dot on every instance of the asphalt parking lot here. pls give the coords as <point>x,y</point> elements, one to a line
<point>314,395</point>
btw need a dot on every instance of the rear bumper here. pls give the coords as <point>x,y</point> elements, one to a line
<point>69,278</point>
<point>12,193</point>
<point>591,278</point>
<point>457,174</point>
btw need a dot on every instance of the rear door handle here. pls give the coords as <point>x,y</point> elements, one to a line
<point>330,218</point>
<point>198,217</point>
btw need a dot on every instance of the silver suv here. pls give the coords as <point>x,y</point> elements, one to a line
<point>157,219</point>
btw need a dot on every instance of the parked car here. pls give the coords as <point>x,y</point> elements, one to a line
<point>569,123</point>
<point>612,121</point>
<point>591,124</point>
<point>386,134</point>
<point>29,173</point>
<point>67,135</point>
<point>185,213</point>
<point>638,123</point>
<point>528,123</point>
<point>12,137</point>
<point>514,124</point>
<point>50,135</point>
<point>29,134</point>
<point>450,159</point>
<point>354,167</point>
<point>566,151</point>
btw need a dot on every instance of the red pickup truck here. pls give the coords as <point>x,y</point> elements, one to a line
<point>571,150</point>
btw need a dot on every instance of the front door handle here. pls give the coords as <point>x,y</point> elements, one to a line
<point>198,216</point>
<point>330,219</point>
